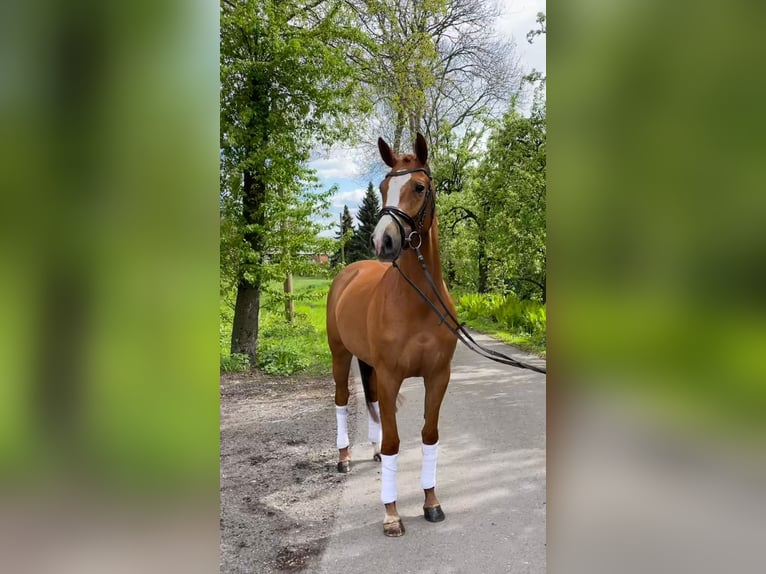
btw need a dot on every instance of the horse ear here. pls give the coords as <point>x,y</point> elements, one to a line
<point>385,153</point>
<point>421,148</point>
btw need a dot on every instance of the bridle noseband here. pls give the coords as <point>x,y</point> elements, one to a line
<point>415,238</point>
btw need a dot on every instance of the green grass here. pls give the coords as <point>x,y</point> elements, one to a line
<point>534,344</point>
<point>285,348</point>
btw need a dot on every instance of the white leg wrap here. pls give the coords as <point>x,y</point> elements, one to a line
<point>428,470</point>
<point>389,466</point>
<point>341,415</point>
<point>374,427</point>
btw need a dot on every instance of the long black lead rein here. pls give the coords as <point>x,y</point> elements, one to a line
<point>460,331</point>
<point>417,226</point>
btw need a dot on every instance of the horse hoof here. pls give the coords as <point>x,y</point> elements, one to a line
<point>433,513</point>
<point>393,529</point>
<point>376,457</point>
<point>344,466</point>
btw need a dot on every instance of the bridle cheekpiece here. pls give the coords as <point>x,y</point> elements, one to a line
<point>415,238</point>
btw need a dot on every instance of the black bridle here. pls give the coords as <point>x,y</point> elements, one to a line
<point>416,223</point>
<point>408,242</point>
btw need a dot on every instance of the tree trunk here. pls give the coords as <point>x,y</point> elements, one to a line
<point>451,273</point>
<point>483,267</point>
<point>483,260</point>
<point>398,130</point>
<point>415,124</point>
<point>244,332</point>
<point>289,303</point>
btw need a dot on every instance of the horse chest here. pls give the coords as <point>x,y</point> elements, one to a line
<point>416,355</point>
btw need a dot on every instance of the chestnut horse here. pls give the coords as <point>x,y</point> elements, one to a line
<point>374,315</point>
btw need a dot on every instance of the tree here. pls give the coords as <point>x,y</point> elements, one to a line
<point>511,180</point>
<point>437,63</point>
<point>360,246</point>
<point>494,231</point>
<point>343,236</point>
<point>536,76</point>
<point>541,28</point>
<point>294,232</point>
<point>285,85</point>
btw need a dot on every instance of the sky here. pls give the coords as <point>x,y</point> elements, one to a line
<point>348,169</point>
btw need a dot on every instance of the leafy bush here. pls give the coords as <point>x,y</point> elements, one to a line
<point>525,319</point>
<point>284,357</point>
<point>537,318</point>
<point>510,314</point>
<point>475,306</point>
<point>287,348</point>
<point>236,363</point>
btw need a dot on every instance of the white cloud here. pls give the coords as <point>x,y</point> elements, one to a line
<point>351,198</point>
<point>339,163</point>
<point>333,168</point>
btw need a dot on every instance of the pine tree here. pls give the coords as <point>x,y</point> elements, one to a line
<point>344,236</point>
<point>360,246</point>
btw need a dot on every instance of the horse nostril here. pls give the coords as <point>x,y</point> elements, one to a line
<point>388,243</point>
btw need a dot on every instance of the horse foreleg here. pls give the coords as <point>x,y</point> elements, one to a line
<point>341,364</point>
<point>436,386</point>
<point>388,389</point>
<point>375,433</point>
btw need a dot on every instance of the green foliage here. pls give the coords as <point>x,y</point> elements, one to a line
<point>519,322</point>
<point>458,241</point>
<point>493,212</point>
<point>287,84</point>
<point>475,305</point>
<point>405,66</point>
<point>285,348</point>
<point>343,237</point>
<point>281,350</point>
<point>435,66</point>
<point>453,156</point>
<point>236,363</point>
<point>511,181</point>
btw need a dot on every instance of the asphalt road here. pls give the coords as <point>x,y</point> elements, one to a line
<point>490,479</point>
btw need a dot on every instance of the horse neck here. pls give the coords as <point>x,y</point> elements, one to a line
<point>430,251</point>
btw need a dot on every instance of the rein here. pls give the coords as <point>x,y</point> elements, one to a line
<point>407,242</point>
<point>460,331</point>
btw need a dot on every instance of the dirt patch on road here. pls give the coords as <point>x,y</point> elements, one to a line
<point>279,484</point>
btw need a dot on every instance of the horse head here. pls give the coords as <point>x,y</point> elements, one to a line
<point>408,201</point>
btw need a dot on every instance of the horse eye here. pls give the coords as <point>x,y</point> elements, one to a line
<point>419,187</point>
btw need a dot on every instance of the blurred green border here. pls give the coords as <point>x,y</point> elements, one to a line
<point>109,371</point>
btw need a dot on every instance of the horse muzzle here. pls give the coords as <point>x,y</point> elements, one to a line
<point>387,239</point>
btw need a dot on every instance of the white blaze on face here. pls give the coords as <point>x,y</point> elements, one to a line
<point>395,185</point>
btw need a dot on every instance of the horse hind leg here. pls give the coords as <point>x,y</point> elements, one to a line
<point>369,384</point>
<point>341,365</point>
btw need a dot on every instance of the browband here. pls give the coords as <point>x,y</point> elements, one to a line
<point>406,171</point>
